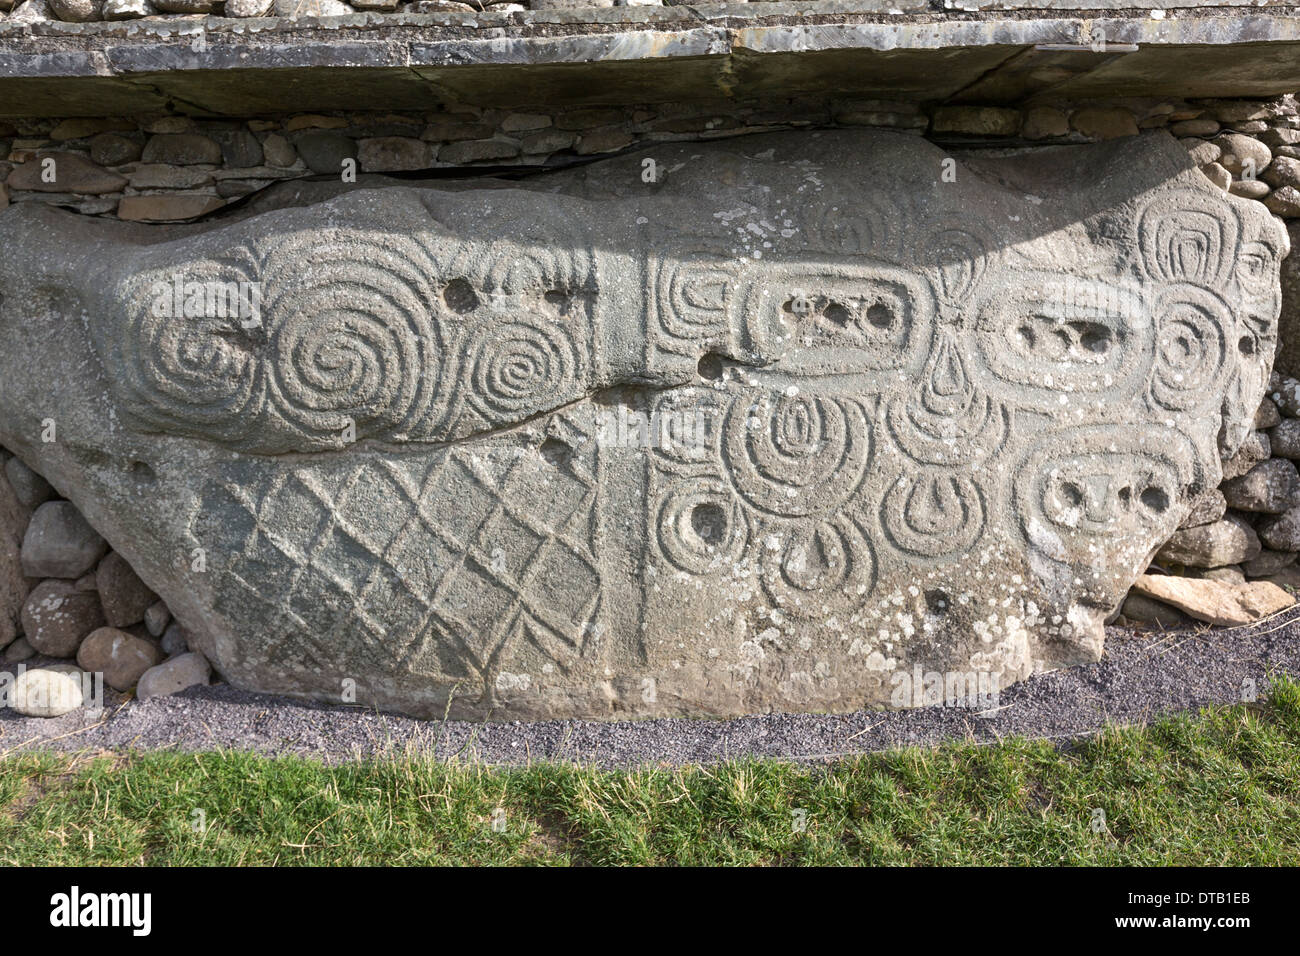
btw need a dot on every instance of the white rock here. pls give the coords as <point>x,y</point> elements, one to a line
<point>173,676</point>
<point>45,692</point>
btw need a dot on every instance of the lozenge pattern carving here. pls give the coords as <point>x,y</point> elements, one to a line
<point>756,437</point>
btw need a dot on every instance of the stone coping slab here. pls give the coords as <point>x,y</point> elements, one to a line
<point>215,66</point>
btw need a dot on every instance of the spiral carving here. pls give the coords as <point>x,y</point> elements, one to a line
<point>184,357</point>
<point>358,346</point>
<point>1191,349</point>
<point>701,527</point>
<point>518,367</point>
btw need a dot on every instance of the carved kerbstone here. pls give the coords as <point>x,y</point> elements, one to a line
<point>795,418</point>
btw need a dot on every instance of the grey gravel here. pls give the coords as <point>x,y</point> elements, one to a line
<point>1144,675</point>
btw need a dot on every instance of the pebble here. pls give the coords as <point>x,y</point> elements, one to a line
<point>174,641</point>
<point>1205,508</point>
<point>60,543</point>
<point>174,675</point>
<point>121,657</point>
<point>1284,438</point>
<point>1268,563</point>
<point>20,650</point>
<point>1281,533</point>
<point>31,489</point>
<point>124,596</point>
<point>156,618</point>
<point>56,617</point>
<point>1255,448</point>
<point>46,692</point>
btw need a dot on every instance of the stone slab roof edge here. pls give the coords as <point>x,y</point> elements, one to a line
<point>847,46</point>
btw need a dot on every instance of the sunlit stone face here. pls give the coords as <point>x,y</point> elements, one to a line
<point>796,417</point>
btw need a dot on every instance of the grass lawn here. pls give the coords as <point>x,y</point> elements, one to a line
<point>1220,787</point>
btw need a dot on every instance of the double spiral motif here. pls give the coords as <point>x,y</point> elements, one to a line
<point>339,331</point>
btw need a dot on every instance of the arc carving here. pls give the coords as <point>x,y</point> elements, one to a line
<point>751,439</point>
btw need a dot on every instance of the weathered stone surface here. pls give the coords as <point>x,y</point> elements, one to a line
<point>1249,188</point>
<point>1272,486</point>
<point>277,151</point>
<point>324,151</point>
<point>249,8</point>
<point>1216,602</point>
<point>76,11</point>
<point>60,543</point>
<point>156,618</point>
<point>473,151</point>
<point>128,9</point>
<point>113,149</point>
<point>29,488</point>
<point>1101,123</point>
<point>181,149</point>
<point>1267,415</point>
<point>121,657</point>
<point>895,423</point>
<point>57,617</point>
<point>382,154</point>
<point>174,641</point>
<point>1284,201</point>
<point>1268,563</point>
<point>165,207</point>
<point>1206,508</point>
<point>14,585</point>
<point>1202,151</point>
<point>1229,541</point>
<point>1243,155</point>
<point>239,148</point>
<point>1283,532</point>
<point>1218,175</point>
<point>1284,438</point>
<point>174,675</point>
<point>57,172</point>
<point>1255,447</point>
<point>163,176</point>
<point>976,120</point>
<point>19,651</point>
<point>124,596</point>
<point>1231,573</point>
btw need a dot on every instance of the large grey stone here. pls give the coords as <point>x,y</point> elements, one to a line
<point>1272,486</point>
<point>14,585</point>
<point>1282,533</point>
<point>1230,541</point>
<point>1254,448</point>
<point>60,543</point>
<point>1206,508</point>
<point>57,617</point>
<point>894,421</point>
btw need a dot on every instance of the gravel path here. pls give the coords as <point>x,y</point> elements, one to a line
<point>1143,675</point>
